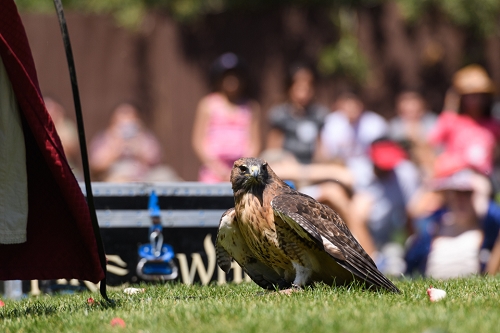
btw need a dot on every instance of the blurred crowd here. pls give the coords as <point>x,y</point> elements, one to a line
<point>417,191</point>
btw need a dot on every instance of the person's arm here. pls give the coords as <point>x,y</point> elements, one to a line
<point>320,154</point>
<point>69,139</point>
<point>199,130</point>
<point>200,126</point>
<point>491,230</point>
<point>148,149</point>
<point>275,139</point>
<point>451,101</point>
<point>493,265</point>
<point>444,124</point>
<point>424,202</point>
<point>104,151</point>
<point>320,116</point>
<point>360,209</point>
<point>313,173</point>
<point>254,146</point>
<point>331,138</point>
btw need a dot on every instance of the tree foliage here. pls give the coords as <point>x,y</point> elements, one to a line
<point>344,57</point>
<point>480,15</point>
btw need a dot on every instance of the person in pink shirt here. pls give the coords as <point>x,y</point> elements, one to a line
<point>469,134</point>
<point>227,123</point>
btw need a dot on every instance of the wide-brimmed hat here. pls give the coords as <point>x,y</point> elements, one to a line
<point>473,79</point>
<point>459,181</point>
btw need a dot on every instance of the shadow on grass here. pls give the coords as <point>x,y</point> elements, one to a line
<point>39,308</point>
<point>357,285</point>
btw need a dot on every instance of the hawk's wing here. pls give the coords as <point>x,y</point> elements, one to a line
<point>319,223</point>
<point>230,244</point>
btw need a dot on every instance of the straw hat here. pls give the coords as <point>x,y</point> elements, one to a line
<point>473,79</point>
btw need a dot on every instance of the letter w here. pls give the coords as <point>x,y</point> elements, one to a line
<point>188,274</point>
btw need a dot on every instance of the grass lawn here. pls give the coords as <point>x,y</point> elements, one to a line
<point>471,305</point>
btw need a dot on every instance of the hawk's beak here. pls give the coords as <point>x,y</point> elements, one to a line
<point>254,171</point>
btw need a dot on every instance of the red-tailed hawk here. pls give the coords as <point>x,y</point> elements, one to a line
<point>283,238</point>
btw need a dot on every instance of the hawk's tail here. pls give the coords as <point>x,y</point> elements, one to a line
<point>371,276</point>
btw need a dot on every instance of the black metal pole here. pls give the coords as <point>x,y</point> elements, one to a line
<point>83,144</point>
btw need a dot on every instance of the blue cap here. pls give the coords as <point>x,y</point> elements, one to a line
<point>154,208</point>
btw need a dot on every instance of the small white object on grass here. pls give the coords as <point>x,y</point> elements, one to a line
<point>435,294</point>
<point>132,291</point>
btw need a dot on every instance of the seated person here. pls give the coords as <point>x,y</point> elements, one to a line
<point>127,151</point>
<point>380,212</point>
<point>471,134</point>
<point>347,135</point>
<point>296,124</point>
<point>411,127</point>
<point>413,121</point>
<point>455,240</point>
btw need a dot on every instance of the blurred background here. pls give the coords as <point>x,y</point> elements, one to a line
<point>157,53</point>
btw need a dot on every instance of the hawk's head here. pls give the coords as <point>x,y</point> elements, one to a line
<point>250,172</point>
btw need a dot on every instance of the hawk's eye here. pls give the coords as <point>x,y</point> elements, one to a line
<point>243,168</point>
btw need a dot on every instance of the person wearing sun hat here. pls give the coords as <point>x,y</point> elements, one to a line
<point>477,92</point>
<point>469,135</point>
<point>473,79</point>
<point>457,238</point>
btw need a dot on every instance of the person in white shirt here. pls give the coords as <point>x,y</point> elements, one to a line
<point>347,135</point>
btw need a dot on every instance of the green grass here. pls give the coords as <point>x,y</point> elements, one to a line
<point>472,305</point>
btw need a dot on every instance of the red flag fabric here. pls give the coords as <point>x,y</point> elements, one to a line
<point>60,239</point>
